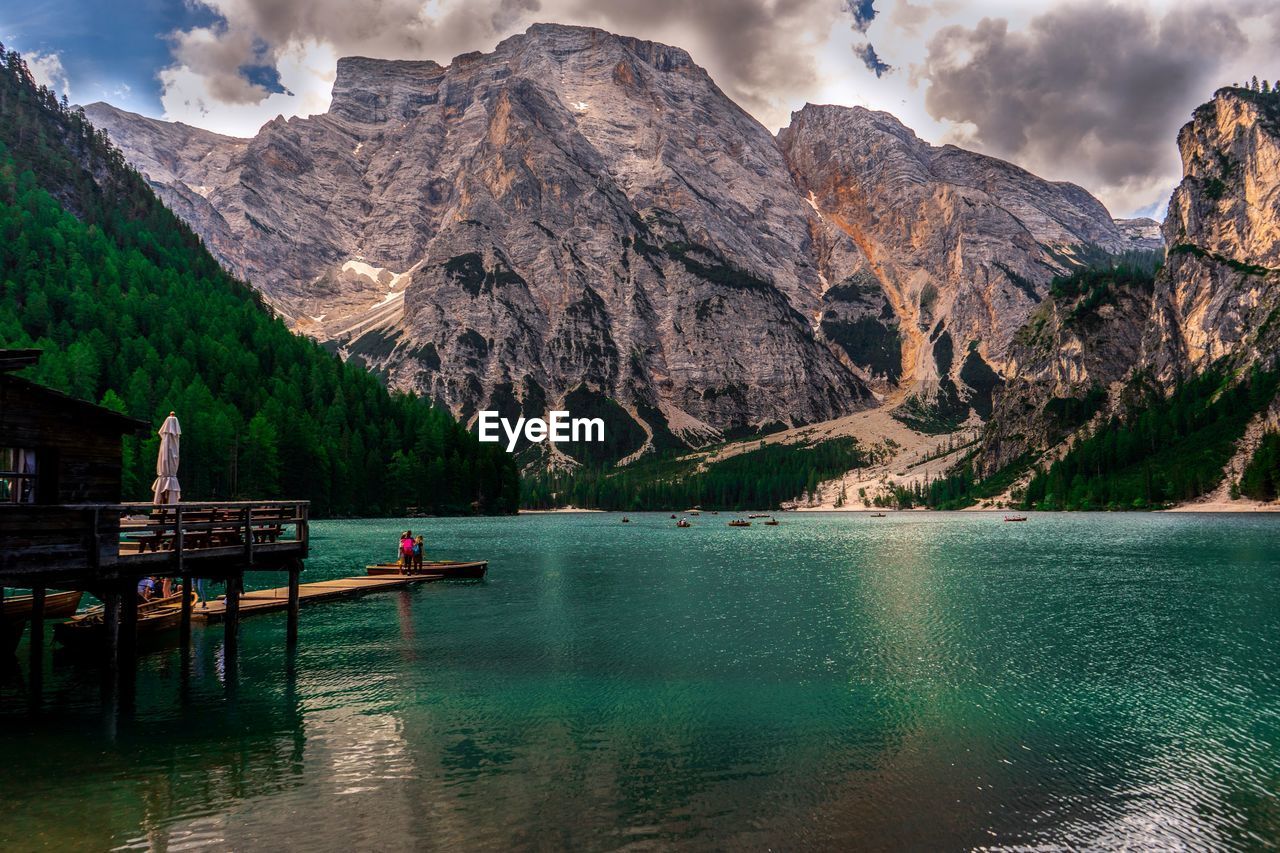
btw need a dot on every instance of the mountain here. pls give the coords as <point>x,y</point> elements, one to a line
<point>586,219</point>
<point>1187,358</point>
<point>1220,290</point>
<point>130,310</point>
<point>962,246</point>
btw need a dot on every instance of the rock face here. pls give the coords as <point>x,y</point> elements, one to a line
<point>1217,297</point>
<point>583,216</point>
<point>962,246</point>
<point>1219,292</point>
<point>574,213</point>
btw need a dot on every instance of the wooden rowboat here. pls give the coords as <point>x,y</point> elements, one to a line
<point>56,605</point>
<point>450,570</point>
<point>17,612</point>
<point>739,523</point>
<point>1015,518</point>
<point>89,630</point>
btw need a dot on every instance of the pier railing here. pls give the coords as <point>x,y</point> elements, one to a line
<point>144,538</point>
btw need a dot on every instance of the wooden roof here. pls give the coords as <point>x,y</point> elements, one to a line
<point>16,359</point>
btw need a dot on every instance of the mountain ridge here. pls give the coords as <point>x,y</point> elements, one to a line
<point>582,213</point>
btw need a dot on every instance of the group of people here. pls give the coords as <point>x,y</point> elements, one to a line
<point>410,551</point>
<point>153,588</point>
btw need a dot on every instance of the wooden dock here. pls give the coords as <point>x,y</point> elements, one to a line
<point>271,600</point>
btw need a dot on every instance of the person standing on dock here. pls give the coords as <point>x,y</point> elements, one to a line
<point>406,550</point>
<point>417,554</point>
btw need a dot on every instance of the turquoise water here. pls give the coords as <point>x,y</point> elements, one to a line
<point>928,681</point>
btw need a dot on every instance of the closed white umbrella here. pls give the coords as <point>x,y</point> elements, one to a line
<point>166,488</point>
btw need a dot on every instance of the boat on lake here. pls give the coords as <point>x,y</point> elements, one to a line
<point>88,630</point>
<point>17,612</point>
<point>877,515</point>
<point>772,522</point>
<point>684,522</point>
<point>739,522</point>
<point>448,569</point>
<point>1015,518</point>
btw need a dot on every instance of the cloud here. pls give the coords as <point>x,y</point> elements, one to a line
<point>303,79</point>
<point>759,51</point>
<point>47,70</point>
<point>1091,92</point>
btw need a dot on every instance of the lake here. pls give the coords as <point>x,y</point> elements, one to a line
<point>926,680</point>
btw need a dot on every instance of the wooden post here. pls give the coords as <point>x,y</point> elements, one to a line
<point>3,628</point>
<point>295,567</point>
<point>128,625</point>
<point>304,527</point>
<point>37,627</point>
<point>231,618</point>
<point>111,620</point>
<point>178,558</point>
<point>248,535</point>
<point>185,626</point>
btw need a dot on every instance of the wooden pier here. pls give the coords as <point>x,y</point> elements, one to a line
<point>274,600</point>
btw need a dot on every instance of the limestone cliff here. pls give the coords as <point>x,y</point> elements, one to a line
<point>1220,289</point>
<point>587,217</point>
<point>1216,300</point>
<point>961,245</point>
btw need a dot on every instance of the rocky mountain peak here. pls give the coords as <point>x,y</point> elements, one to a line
<point>1220,290</point>
<point>582,216</point>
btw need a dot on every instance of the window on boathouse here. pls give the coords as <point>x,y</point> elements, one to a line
<point>17,475</point>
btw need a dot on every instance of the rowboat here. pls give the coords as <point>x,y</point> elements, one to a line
<point>89,629</point>
<point>1015,518</point>
<point>877,515</point>
<point>773,522</point>
<point>739,523</point>
<point>451,570</point>
<point>56,605</point>
<point>17,612</point>
<point>683,523</point>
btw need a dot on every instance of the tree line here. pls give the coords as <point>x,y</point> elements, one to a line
<point>761,478</point>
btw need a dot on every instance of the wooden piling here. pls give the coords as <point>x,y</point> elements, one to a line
<point>37,627</point>
<point>128,642</point>
<point>232,617</point>
<point>111,619</point>
<point>295,568</point>
<point>185,625</point>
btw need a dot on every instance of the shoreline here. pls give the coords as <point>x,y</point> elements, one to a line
<point>1240,506</point>
<point>564,509</point>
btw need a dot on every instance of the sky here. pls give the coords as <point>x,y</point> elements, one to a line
<point>1088,92</point>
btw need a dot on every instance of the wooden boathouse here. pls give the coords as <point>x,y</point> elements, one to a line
<point>63,524</point>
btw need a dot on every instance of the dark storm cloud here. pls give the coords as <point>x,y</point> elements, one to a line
<point>867,54</point>
<point>1102,86</point>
